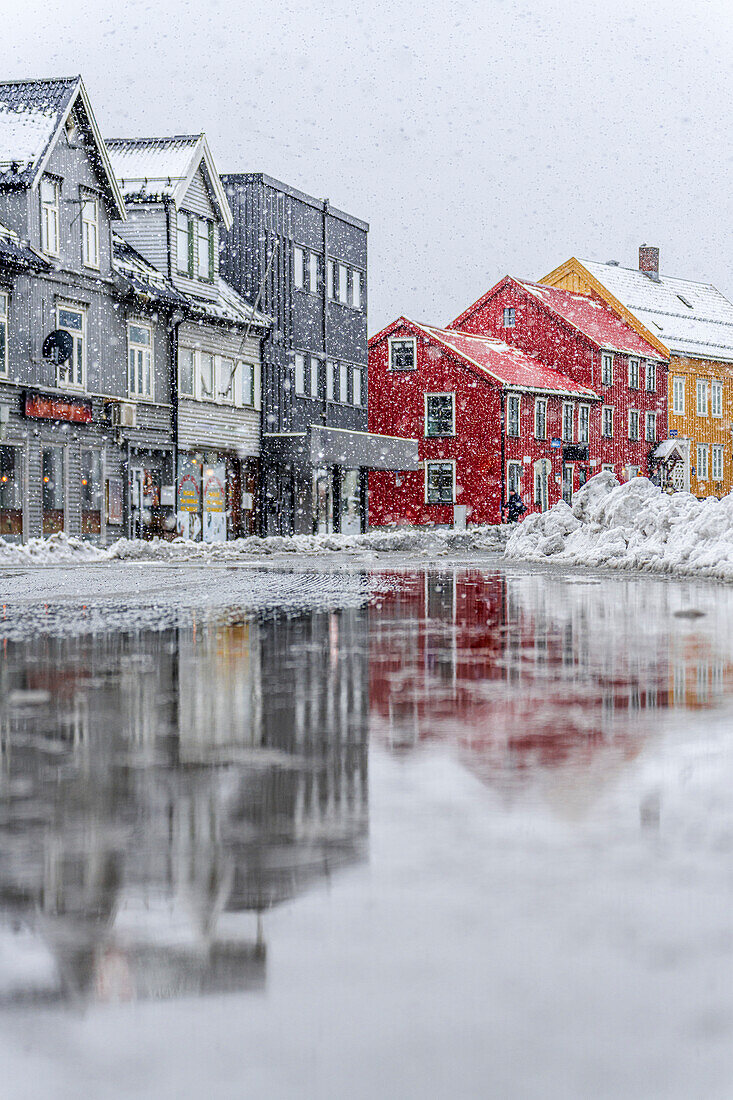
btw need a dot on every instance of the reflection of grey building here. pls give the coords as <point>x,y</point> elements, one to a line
<point>128,828</point>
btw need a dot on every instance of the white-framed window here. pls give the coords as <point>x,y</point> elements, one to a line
<point>50,225</point>
<point>702,462</point>
<point>206,390</point>
<point>73,319</point>
<point>540,418</point>
<point>313,266</point>
<point>140,359</point>
<point>607,422</point>
<point>633,374</point>
<point>186,372</point>
<point>344,382</point>
<point>509,317</point>
<point>568,424</point>
<point>607,468</point>
<point>205,249</point>
<point>249,395</point>
<point>184,243</point>
<point>651,376</point>
<point>633,424</point>
<point>315,377</point>
<point>718,459</point>
<point>651,428</point>
<point>513,478</point>
<point>331,280</point>
<point>90,231</point>
<point>356,387</point>
<point>607,368</point>
<point>439,415</point>
<point>226,375</point>
<point>299,373</point>
<point>678,394</point>
<point>299,267</point>
<point>343,287</point>
<point>513,408</point>
<point>403,353</point>
<point>331,380</point>
<point>356,289</point>
<point>701,390</point>
<point>4,362</point>
<point>583,423</point>
<point>440,482</point>
<point>716,399</point>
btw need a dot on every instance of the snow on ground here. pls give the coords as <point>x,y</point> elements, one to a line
<point>632,526</point>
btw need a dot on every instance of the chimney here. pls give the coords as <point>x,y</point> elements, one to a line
<point>649,261</point>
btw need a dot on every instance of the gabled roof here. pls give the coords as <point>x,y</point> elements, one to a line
<point>228,306</point>
<point>141,277</point>
<point>150,169</point>
<point>507,365</point>
<point>32,114</point>
<point>18,254</point>
<point>687,318</point>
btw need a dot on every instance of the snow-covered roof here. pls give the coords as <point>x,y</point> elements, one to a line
<point>150,169</point>
<point>17,253</point>
<point>141,277</point>
<point>594,319</point>
<point>507,365</point>
<point>228,306</point>
<point>32,113</point>
<point>691,319</point>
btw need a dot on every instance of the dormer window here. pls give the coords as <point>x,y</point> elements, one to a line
<point>402,354</point>
<point>205,249</point>
<point>90,231</point>
<point>184,243</point>
<point>50,236</point>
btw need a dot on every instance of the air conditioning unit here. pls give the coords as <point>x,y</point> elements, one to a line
<point>123,414</point>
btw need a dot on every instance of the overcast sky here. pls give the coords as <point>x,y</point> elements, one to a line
<point>476,138</point>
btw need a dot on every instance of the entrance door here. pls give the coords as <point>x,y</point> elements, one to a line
<point>136,502</point>
<point>350,503</point>
<point>323,500</point>
<point>567,484</point>
<point>542,470</point>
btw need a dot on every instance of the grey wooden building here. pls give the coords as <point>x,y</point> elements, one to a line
<point>305,264</point>
<point>84,330</point>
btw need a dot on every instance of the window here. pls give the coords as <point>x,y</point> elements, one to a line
<point>11,493</point>
<point>567,483</point>
<point>343,287</point>
<point>633,374</point>
<point>331,280</point>
<point>315,377</point>
<point>716,399</point>
<point>651,427</point>
<point>607,422</point>
<point>718,453</point>
<point>702,462</point>
<point>633,424</point>
<point>226,370</point>
<point>607,369</point>
<point>356,386</point>
<point>313,266</point>
<point>583,423</point>
<point>512,414</point>
<point>4,365</point>
<point>607,468</point>
<point>204,250</point>
<point>330,380</point>
<point>344,382</point>
<point>206,376</point>
<point>540,418</point>
<point>299,268</point>
<point>249,393</point>
<point>567,422</point>
<point>356,289</point>
<point>439,416</point>
<point>184,243</point>
<point>678,395</point>
<point>439,483</point>
<point>299,373</point>
<point>514,478</point>
<point>90,232</point>
<point>186,372</point>
<point>139,359</point>
<point>702,397</point>
<point>53,490</point>
<point>402,354</point>
<point>73,371</point>
<point>509,317</point>
<point>50,236</point>
<point>651,377</point>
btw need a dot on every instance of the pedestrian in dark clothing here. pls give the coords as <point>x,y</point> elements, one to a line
<point>515,508</point>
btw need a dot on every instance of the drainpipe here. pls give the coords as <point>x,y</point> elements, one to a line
<point>503,463</point>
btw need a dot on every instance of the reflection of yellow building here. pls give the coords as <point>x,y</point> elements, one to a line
<point>691,324</point>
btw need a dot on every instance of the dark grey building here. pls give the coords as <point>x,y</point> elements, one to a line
<point>305,264</point>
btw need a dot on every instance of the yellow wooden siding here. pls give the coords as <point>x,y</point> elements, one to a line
<point>705,430</point>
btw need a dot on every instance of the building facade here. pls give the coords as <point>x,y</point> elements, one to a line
<point>305,264</point>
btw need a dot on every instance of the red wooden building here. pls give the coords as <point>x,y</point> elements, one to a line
<point>488,418</point>
<point>583,338</point>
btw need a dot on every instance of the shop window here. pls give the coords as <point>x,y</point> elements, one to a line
<point>186,375</point>
<point>350,499</point>
<point>72,373</point>
<point>91,492</point>
<point>139,352</point>
<point>53,492</point>
<point>11,493</point>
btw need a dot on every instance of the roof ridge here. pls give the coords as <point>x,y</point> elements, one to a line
<point>151,140</point>
<point>662,277</point>
<point>43,80</point>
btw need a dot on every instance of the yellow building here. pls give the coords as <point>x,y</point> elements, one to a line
<point>691,324</point>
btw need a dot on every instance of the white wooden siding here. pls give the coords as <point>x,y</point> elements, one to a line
<point>203,424</point>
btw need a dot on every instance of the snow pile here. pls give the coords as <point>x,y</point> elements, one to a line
<point>54,550</point>
<point>632,526</point>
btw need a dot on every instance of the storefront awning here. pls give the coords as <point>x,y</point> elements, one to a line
<point>321,446</point>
